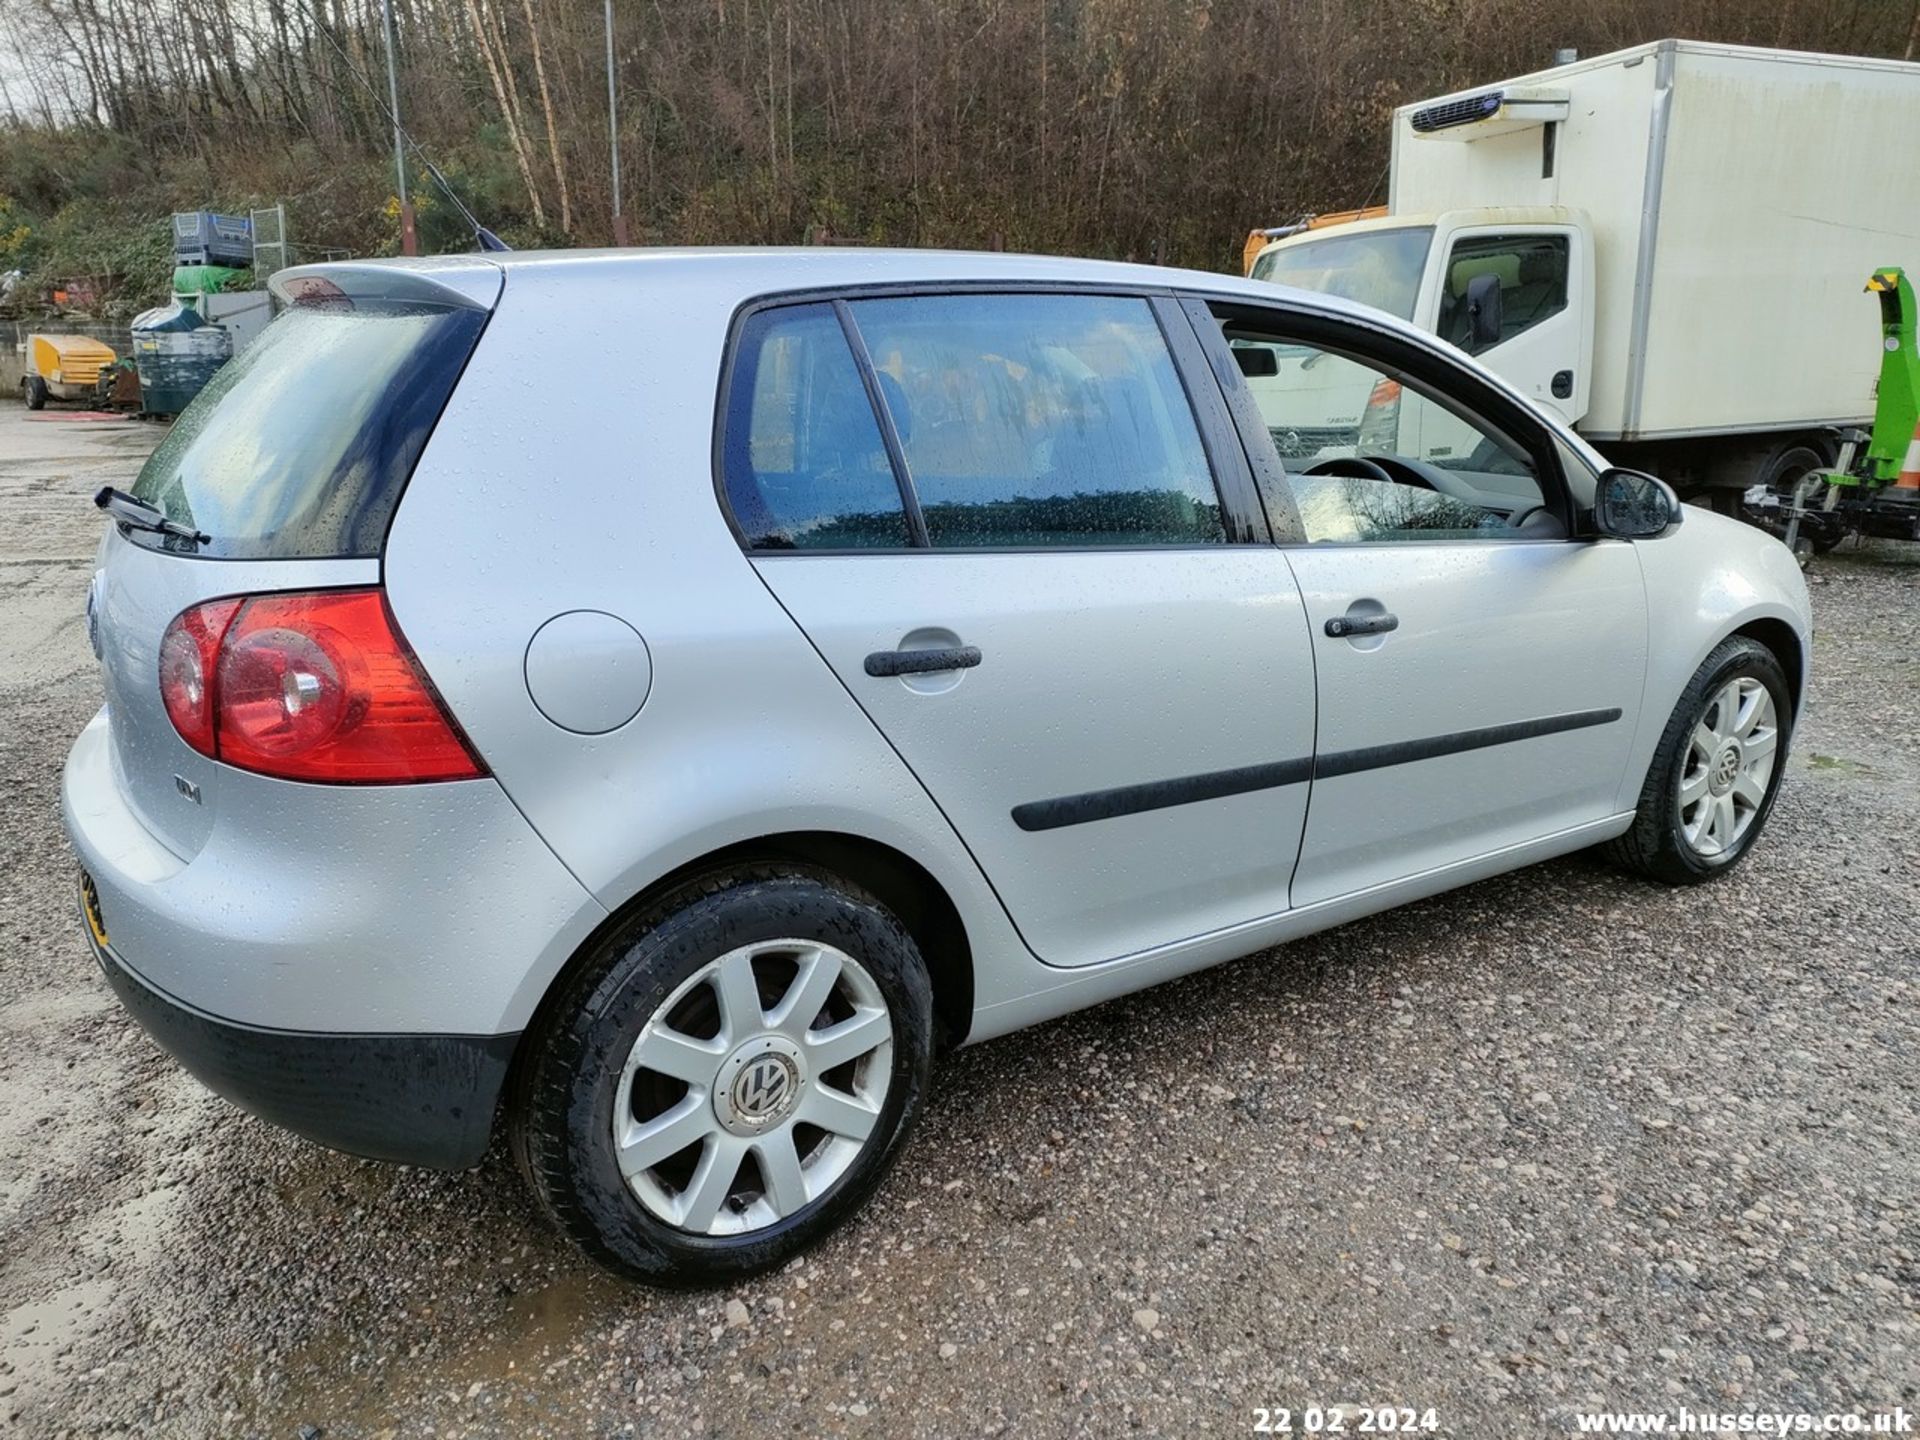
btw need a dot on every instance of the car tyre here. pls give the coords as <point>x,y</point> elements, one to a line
<point>1710,788</point>
<point>662,977</point>
<point>33,390</point>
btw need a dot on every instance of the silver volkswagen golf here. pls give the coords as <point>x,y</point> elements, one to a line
<point>648,705</point>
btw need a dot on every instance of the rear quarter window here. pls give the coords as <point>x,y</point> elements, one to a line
<point>299,447</point>
<point>805,465</point>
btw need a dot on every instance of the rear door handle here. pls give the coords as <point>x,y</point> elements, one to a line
<point>922,662</point>
<point>1342,627</point>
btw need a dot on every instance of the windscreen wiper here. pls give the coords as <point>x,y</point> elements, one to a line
<point>142,516</point>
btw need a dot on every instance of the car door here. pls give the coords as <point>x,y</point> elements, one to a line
<point>1545,329</point>
<point>1479,671</point>
<point>1042,572</point>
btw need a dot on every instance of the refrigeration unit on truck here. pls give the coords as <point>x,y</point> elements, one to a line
<point>1665,244</point>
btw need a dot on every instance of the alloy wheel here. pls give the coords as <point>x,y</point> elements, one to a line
<point>753,1087</point>
<point>1728,767</point>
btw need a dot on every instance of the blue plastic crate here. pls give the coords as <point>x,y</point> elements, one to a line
<point>201,237</point>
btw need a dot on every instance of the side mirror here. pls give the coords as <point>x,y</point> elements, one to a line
<point>1631,506</point>
<point>1484,311</point>
<point>1256,362</point>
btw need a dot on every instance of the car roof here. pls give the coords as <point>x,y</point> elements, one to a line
<point>760,270</point>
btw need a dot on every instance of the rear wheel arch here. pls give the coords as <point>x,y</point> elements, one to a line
<point>896,880</point>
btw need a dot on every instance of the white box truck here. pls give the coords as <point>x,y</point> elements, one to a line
<point>1668,245</point>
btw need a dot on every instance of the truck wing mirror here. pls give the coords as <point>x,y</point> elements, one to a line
<point>1484,311</point>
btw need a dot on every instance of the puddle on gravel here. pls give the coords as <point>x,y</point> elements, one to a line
<point>1840,763</point>
<point>36,1336</point>
<point>564,1308</point>
<point>507,1355</point>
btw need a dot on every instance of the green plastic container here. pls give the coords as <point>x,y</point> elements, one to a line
<point>176,353</point>
<point>209,279</point>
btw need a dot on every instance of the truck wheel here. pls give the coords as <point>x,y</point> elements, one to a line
<point>1714,777</point>
<point>1782,474</point>
<point>1788,467</point>
<point>34,391</point>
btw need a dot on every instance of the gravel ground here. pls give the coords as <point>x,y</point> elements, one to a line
<point>1557,1141</point>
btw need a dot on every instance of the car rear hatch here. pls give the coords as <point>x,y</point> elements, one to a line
<point>290,463</point>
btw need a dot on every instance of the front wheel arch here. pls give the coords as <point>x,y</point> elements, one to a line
<point>1784,641</point>
<point>1654,845</point>
<point>1780,638</point>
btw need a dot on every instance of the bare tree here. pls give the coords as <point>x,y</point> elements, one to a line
<point>1153,128</point>
<point>553,131</point>
<point>500,71</point>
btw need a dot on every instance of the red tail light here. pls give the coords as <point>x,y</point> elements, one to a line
<point>318,686</point>
<point>189,656</point>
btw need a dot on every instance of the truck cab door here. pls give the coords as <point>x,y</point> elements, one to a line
<point>1544,344</point>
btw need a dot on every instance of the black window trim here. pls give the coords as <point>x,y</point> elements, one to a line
<point>917,537</point>
<point>1266,472</point>
<point>1241,511</point>
<point>1399,358</point>
<point>1244,517</point>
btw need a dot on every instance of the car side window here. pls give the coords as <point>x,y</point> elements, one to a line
<point>1370,457</point>
<point>1041,421</point>
<point>803,461</point>
<point>1532,271</point>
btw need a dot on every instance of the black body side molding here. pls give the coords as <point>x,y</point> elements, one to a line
<point>1216,784</point>
<point>1405,752</point>
<point>1158,794</point>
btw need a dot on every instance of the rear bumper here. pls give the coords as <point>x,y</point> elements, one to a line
<point>332,909</point>
<point>415,1099</point>
<point>355,964</point>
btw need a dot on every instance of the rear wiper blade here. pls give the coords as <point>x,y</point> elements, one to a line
<point>142,516</point>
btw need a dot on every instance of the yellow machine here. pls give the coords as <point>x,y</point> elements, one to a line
<point>1258,240</point>
<point>62,367</point>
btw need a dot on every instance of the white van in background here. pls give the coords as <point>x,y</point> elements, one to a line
<point>1666,245</point>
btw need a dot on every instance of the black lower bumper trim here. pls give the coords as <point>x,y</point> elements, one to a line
<point>414,1099</point>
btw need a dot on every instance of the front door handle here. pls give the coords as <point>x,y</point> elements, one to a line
<point>1343,627</point>
<point>922,662</point>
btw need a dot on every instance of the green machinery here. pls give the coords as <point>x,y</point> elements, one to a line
<point>1874,489</point>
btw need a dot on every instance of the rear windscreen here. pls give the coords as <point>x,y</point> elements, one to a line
<point>299,447</point>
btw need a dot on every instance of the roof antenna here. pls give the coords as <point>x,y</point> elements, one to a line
<point>485,238</point>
